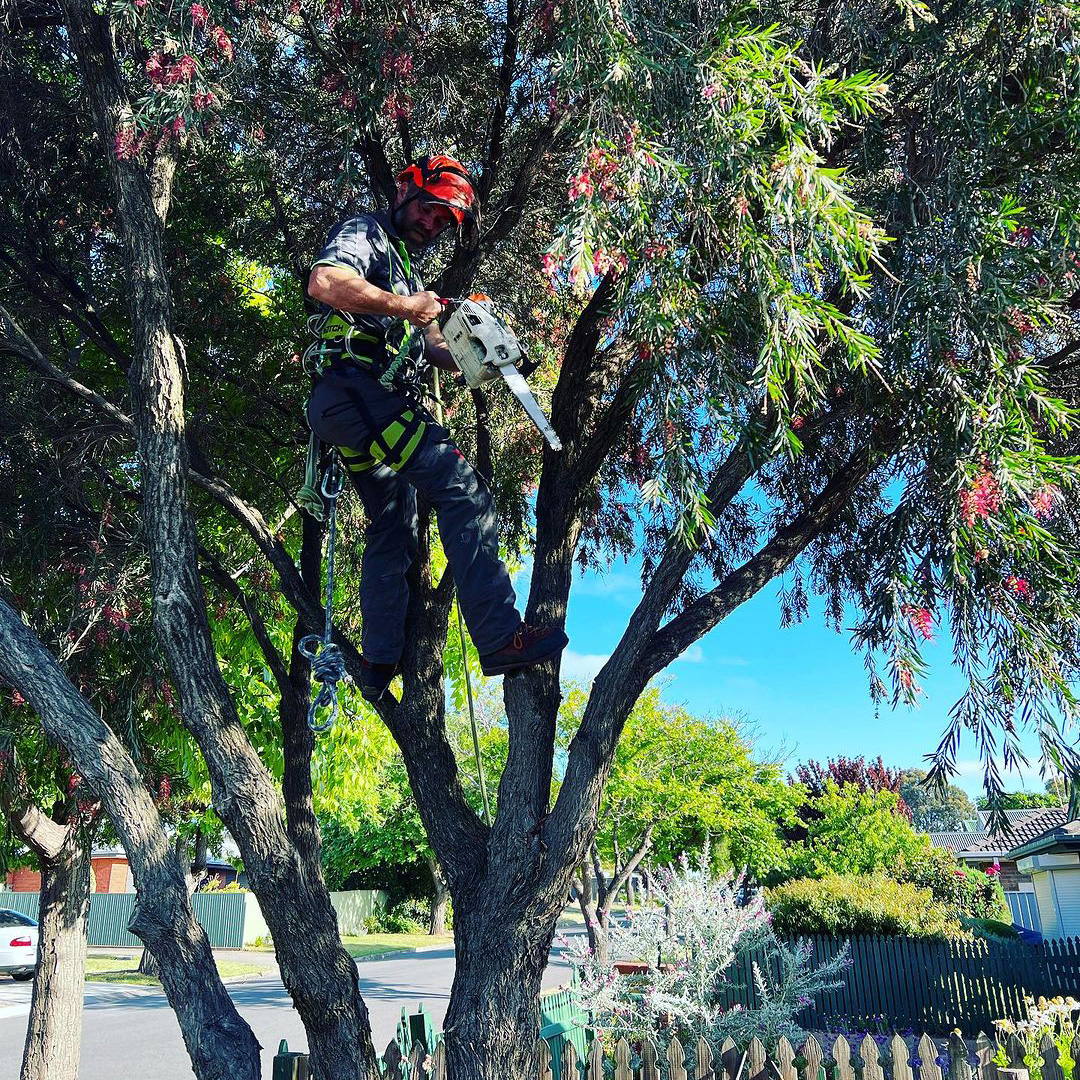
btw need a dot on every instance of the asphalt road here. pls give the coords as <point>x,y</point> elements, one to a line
<point>131,1032</point>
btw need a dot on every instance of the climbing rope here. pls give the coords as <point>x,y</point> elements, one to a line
<point>327,663</point>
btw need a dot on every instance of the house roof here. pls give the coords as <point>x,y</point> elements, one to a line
<point>1024,826</point>
<point>1063,834</point>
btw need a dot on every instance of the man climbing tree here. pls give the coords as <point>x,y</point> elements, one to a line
<point>368,402</point>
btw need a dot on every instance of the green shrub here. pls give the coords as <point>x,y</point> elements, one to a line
<point>964,892</point>
<point>408,917</point>
<point>863,904</point>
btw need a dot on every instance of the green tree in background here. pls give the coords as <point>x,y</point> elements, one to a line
<point>847,831</point>
<point>932,809</point>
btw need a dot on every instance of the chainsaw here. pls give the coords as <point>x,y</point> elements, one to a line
<point>485,348</point>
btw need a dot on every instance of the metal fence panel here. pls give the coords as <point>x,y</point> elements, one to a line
<point>221,916</point>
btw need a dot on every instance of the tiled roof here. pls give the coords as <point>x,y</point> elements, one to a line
<point>956,841</point>
<point>1024,826</point>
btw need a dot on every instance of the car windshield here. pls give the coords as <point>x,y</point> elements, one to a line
<point>15,918</point>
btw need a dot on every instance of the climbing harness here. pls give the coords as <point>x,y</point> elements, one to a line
<point>327,663</point>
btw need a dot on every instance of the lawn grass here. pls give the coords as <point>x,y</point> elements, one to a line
<point>125,969</point>
<point>377,944</point>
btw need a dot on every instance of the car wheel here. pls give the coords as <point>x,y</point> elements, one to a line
<point>23,976</point>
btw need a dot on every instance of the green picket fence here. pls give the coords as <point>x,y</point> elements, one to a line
<point>221,915</point>
<point>926,985</point>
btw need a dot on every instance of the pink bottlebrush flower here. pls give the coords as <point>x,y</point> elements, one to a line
<point>710,91</point>
<point>1042,503</point>
<point>580,185</point>
<point>141,3</point>
<point>549,264</point>
<point>798,422</point>
<point>331,81</point>
<point>602,262</point>
<point>982,499</point>
<point>1018,585</point>
<point>907,679</point>
<point>1020,322</point>
<point>921,619</point>
<point>982,554</point>
<point>17,699</point>
<point>993,869</point>
<point>125,145</point>
<point>398,106</point>
<point>222,42</point>
<point>742,206</point>
<point>655,250</point>
<point>202,101</point>
<point>347,100</point>
<point>177,127</point>
<point>200,16</point>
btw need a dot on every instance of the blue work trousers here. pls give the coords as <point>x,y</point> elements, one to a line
<point>345,406</point>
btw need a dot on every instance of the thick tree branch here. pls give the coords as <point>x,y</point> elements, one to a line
<point>634,661</point>
<point>221,1044</point>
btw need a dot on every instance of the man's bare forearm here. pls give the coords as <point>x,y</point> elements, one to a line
<point>347,291</point>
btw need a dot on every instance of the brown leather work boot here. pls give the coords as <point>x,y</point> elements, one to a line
<point>530,645</point>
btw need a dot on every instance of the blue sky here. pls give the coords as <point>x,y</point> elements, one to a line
<point>802,691</point>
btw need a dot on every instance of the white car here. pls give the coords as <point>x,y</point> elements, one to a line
<point>18,944</point>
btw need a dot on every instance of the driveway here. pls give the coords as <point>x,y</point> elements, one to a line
<point>131,1031</point>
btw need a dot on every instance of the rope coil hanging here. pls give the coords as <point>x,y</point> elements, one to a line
<point>327,663</point>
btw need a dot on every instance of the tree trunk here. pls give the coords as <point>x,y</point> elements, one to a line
<point>148,965</point>
<point>54,1032</point>
<point>441,899</point>
<point>493,1022</point>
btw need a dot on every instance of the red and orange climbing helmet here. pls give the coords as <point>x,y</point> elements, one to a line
<point>443,179</point>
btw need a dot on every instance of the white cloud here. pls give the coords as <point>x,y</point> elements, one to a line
<point>583,666</point>
<point>694,655</point>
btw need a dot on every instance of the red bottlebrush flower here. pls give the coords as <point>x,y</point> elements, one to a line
<point>1018,585</point>
<point>644,351</point>
<point>640,457</point>
<point>982,499</point>
<point>164,789</point>
<point>742,206</point>
<point>184,69</point>
<point>993,869</point>
<point>907,679</point>
<point>202,101</point>
<point>17,699</point>
<point>74,780</point>
<point>1042,503</point>
<point>655,250</point>
<point>102,637</point>
<point>167,694</point>
<point>221,40</point>
<point>200,16</point>
<point>921,619</point>
<point>331,81</point>
<point>156,69</point>
<point>177,127</point>
<point>580,185</point>
<point>798,422</point>
<point>347,100</point>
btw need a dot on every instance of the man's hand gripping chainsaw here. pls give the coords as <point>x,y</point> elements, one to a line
<point>485,348</point>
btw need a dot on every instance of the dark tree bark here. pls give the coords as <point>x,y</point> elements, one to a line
<point>316,969</point>
<point>219,1042</point>
<point>54,1030</point>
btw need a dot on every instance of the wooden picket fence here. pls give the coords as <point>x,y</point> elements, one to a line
<point>892,1058</point>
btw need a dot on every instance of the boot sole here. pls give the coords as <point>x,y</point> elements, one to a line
<point>555,648</point>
